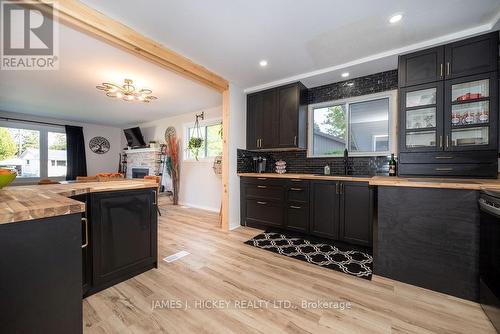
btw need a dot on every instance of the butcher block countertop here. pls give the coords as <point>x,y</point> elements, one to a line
<point>18,203</point>
<point>391,181</point>
<point>308,176</point>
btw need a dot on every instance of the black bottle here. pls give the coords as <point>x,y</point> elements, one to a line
<point>392,166</point>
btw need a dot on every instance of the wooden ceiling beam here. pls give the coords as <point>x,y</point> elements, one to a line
<point>93,22</point>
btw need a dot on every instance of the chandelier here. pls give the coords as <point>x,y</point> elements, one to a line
<point>127,92</point>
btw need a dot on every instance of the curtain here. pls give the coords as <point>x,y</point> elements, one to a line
<point>75,145</point>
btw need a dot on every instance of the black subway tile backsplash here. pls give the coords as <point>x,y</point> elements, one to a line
<point>298,162</point>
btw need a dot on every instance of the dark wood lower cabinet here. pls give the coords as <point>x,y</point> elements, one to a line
<point>429,238</point>
<point>325,209</point>
<point>41,279</point>
<point>329,209</point>
<point>356,213</point>
<point>122,229</point>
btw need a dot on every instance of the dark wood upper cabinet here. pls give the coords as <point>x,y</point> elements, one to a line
<point>356,213</point>
<point>325,209</point>
<point>277,118</point>
<point>472,56</point>
<point>421,67</point>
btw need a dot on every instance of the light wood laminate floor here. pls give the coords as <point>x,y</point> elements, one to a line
<point>222,269</point>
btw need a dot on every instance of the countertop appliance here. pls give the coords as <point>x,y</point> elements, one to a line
<point>489,262</point>
<point>259,164</point>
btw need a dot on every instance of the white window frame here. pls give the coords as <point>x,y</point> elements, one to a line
<point>185,139</point>
<point>43,130</point>
<point>392,95</point>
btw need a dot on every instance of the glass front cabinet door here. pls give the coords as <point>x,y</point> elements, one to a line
<point>471,113</point>
<point>422,118</point>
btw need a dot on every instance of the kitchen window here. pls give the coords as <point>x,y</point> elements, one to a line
<point>33,151</point>
<point>211,133</point>
<point>365,125</point>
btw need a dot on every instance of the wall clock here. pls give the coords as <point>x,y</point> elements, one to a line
<point>99,145</point>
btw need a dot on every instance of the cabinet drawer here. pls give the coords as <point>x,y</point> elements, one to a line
<point>297,217</point>
<point>266,181</point>
<point>472,157</point>
<point>462,170</point>
<point>298,193</point>
<point>264,191</point>
<point>264,212</point>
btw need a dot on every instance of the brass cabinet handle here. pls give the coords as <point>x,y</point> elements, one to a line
<point>257,143</point>
<point>295,207</point>
<point>296,180</point>
<point>261,140</point>
<point>262,187</point>
<point>341,188</point>
<point>441,141</point>
<point>443,157</point>
<point>441,71</point>
<point>337,188</point>
<point>86,222</point>
<point>262,178</point>
<point>447,169</point>
<point>294,140</point>
<point>296,189</point>
<point>448,66</point>
<point>262,203</point>
<point>447,141</point>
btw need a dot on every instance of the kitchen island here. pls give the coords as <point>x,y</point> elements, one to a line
<point>64,241</point>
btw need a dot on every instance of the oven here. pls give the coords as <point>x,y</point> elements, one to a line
<point>489,262</point>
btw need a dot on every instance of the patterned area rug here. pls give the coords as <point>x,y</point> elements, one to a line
<point>327,254</point>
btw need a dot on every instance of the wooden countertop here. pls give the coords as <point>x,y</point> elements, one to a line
<point>18,203</point>
<point>444,183</point>
<point>308,176</point>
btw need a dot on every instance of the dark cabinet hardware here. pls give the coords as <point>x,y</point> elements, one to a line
<point>86,224</point>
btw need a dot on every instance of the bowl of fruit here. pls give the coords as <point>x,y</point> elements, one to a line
<point>6,177</point>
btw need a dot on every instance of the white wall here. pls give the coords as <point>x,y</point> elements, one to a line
<point>96,163</point>
<point>237,137</point>
<point>200,187</point>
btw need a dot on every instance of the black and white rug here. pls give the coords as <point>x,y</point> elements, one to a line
<point>327,254</point>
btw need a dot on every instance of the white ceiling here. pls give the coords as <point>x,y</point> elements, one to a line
<point>70,94</point>
<point>230,37</point>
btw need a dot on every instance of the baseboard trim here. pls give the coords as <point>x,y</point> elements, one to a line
<point>201,207</point>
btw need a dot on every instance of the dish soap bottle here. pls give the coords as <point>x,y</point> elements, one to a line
<point>392,166</point>
<point>326,170</point>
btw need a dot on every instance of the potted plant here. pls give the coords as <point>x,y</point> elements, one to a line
<point>194,146</point>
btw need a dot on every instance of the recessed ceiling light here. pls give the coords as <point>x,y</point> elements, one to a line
<point>395,18</point>
<point>345,74</point>
<point>263,63</point>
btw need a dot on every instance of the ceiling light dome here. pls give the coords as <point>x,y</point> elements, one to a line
<point>395,18</point>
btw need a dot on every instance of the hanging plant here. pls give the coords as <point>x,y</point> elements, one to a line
<point>194,146</point>
<point>196,142</point>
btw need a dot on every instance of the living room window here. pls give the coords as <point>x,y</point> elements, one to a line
<point>33,151</point>
<point>365,125</point>
<point>211,133</point>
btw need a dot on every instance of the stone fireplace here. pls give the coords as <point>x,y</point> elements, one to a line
<point>143,161</point>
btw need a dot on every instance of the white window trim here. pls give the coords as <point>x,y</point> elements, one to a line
<point>185,136</point>
<point>43,130</point>
<point>392,95</point>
